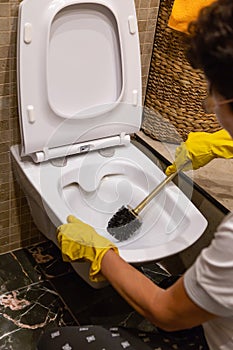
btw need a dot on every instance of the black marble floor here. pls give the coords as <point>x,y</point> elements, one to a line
<point>38,291</point>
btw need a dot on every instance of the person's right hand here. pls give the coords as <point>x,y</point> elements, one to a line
<point>80,241</point>
<point>201,148</point>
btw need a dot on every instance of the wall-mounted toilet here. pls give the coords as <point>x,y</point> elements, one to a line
<point>79,99</point>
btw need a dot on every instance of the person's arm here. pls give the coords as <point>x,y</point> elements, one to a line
<point>169,309</point>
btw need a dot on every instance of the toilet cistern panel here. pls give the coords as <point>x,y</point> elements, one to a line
<point>79,72</point>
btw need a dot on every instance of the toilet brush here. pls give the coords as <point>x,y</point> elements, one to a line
<point>126,221</point>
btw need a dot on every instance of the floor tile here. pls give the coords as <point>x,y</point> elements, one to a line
<point>89,304</point>
<point>154,272</point>
<point>29,311</point>
<point>40,291</point>
<point>98,306</point>
<point>48,260</point>
<point>16,271</point>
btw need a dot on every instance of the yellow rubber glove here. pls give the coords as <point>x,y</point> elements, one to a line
<point>185,11</point>
<point>80,241</point>
<point>201,148</point>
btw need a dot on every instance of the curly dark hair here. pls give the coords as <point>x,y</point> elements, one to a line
<point>210,45</point>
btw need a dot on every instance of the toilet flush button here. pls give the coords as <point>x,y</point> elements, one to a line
<point>31,114</point>
<point>132,25</point>
<point>27,33</point>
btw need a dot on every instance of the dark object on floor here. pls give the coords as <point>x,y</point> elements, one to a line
<point>90,337</point>
<point>118,338</point>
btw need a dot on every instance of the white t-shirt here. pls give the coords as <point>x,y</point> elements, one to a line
<point>209,283</point>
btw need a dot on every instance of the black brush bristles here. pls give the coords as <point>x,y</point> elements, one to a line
<point>123,224</point>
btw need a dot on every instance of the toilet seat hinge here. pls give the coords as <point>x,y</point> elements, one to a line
<point>78,148</point>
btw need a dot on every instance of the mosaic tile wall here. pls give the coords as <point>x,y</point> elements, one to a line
<point>16,226</point>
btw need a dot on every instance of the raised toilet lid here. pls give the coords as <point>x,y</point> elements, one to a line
<point>79,74</point>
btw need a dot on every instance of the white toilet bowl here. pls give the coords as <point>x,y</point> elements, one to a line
<point>93,187</point>
<point>86,125</point>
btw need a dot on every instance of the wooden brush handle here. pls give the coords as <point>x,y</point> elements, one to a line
<point>157,189</point>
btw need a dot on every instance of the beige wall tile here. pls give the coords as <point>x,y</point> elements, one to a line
<point>4,23</point>
<point>5,38</point>
<point>4,9</point>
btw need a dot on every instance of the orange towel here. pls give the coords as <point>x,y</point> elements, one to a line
<point>185,11</point>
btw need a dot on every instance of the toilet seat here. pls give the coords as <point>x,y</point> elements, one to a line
<point>76,73</point>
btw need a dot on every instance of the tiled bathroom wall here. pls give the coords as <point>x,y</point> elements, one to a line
<point>16,226</point>
<point>147,11</point>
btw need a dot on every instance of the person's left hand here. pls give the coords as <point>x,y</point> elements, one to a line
<point>80,241</point>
